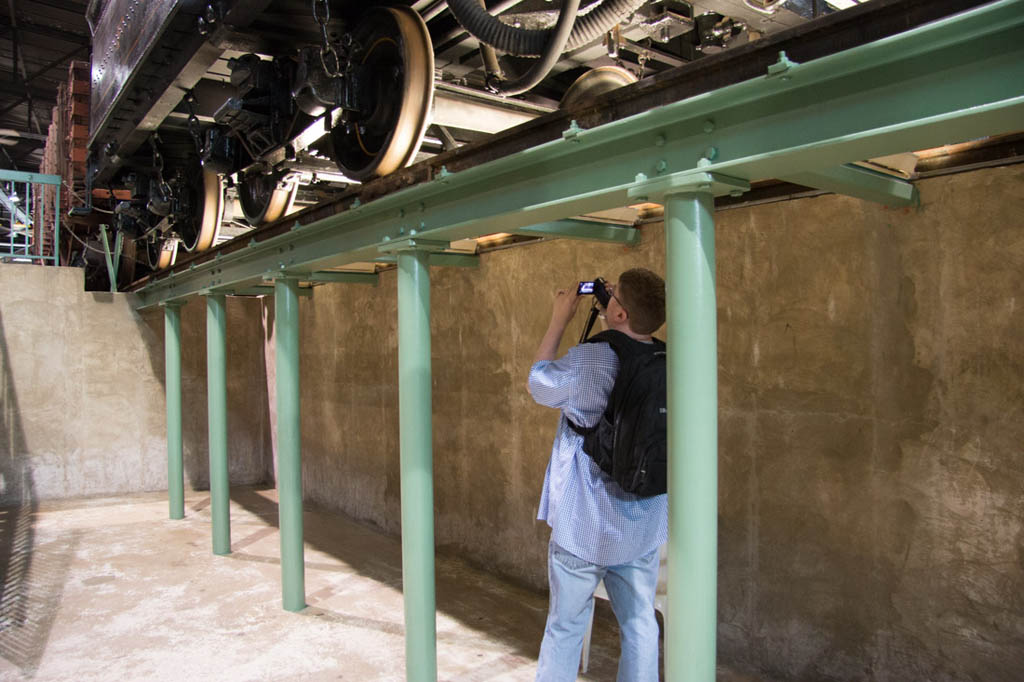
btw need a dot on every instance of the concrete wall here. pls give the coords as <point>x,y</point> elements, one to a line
<point>82,398</point>
<point>871,431</point>
<point>871,365</point>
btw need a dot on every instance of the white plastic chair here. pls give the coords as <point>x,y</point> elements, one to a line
<point>660,603</point>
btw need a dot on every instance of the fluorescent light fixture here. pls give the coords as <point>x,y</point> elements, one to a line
<point>14,198</point>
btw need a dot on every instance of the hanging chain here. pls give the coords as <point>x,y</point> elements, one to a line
<point>322,15</point>
<point>641,60</point>
<point>194,127</point>
<point>158,163</point>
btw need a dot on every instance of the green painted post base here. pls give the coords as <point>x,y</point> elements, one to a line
<point>172,386</point>
<point>417,473</point>
<point>289,443</point>
<point>217,406</point>
<point>692,619</point>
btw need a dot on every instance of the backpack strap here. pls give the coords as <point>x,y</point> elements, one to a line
<point>626,348</point>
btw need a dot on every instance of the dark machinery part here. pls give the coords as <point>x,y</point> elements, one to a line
<point>262,113</point>
<point>392,47</point>
<point>266,197</point>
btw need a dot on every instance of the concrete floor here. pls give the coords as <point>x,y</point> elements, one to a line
<point>111,589</point>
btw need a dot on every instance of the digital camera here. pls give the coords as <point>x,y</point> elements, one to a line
<point>595,287</point>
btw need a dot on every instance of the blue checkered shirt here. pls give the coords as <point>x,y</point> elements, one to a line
<point>589,514</point>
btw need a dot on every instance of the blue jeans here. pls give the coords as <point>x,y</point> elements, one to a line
<point>631,589</point>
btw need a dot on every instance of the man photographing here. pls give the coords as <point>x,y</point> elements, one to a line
<point>598,530</point>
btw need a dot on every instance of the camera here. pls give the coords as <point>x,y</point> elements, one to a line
<point>595,287</point>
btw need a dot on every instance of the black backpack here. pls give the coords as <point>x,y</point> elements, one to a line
<point>630,442</point>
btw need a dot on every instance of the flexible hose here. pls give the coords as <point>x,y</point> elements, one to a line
<point>532,43</point>
<point>552,51</point>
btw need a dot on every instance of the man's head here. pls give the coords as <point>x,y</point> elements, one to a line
<point>637,302</point>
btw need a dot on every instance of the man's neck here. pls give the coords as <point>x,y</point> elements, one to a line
<point>624,328</point>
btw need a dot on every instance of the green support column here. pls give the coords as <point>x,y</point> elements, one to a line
<point>172,386</point>
<point>217,407</point>
<point>289,443</point>
<point>692,621</point>
<point>417,473</point>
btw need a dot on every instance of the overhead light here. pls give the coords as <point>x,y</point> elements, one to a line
<point>14,198</point>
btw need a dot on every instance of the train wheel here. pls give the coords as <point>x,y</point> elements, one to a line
<point>595,83</point>
<point>207,200</point>
<point>162,253</point>
<point>264,199</point>
<point>399,59</point>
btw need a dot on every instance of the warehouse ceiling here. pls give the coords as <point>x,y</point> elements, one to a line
<point>38,38</point>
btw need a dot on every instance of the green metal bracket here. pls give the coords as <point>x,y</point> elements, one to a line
<point>587,230</point>
<point>782,66</point>
<point>862,183</point>
<point>689,181</point>
<point>112,259</point>
<point>255,290</point>
<point>342,277</point>
<point>456,260</point>
<point>412,244</point>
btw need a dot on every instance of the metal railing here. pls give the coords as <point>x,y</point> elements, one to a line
<point>29,217</point>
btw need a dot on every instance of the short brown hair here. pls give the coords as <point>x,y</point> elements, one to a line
<point>642,293</point>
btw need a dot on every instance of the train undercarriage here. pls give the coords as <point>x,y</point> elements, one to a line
<point>237,114</point>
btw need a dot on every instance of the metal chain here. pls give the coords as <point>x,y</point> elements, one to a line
<point>194,127</point>
<point>158,163</point>
<point>322,15</point>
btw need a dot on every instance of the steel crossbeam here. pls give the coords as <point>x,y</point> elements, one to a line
<point>952,80</point>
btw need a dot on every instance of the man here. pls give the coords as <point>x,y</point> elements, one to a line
<point>598,531</point>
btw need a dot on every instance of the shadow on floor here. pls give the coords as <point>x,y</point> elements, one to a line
<point>31,578</point>
<point>512,614</point>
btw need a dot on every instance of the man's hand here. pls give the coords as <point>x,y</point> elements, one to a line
<point>562,312</point>
<point>564,308</point>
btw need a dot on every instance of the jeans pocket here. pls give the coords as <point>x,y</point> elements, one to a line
<point>567,560</point>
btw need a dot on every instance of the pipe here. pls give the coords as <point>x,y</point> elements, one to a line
<point>172,386</point>
<point>488,29</point>
<point>289,442</point>
<point>417,472</point>
<point>217,406</point>
<point>489,57</point>
<point>552,51</point>
<point>691,622</point>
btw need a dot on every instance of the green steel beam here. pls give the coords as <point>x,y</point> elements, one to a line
<point>342,277</point>
<point>112,259</point>
<point>37,178</point>
<point>172,387</point>
<point>953,80</point>
<point>217,407</point>
<point>450,260</point>
<point>416,460</point>
<point>588,230</point>
<point>692,382</point>
<point>861,183</point>
<point>289,443</point>
<point>255,290</point>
